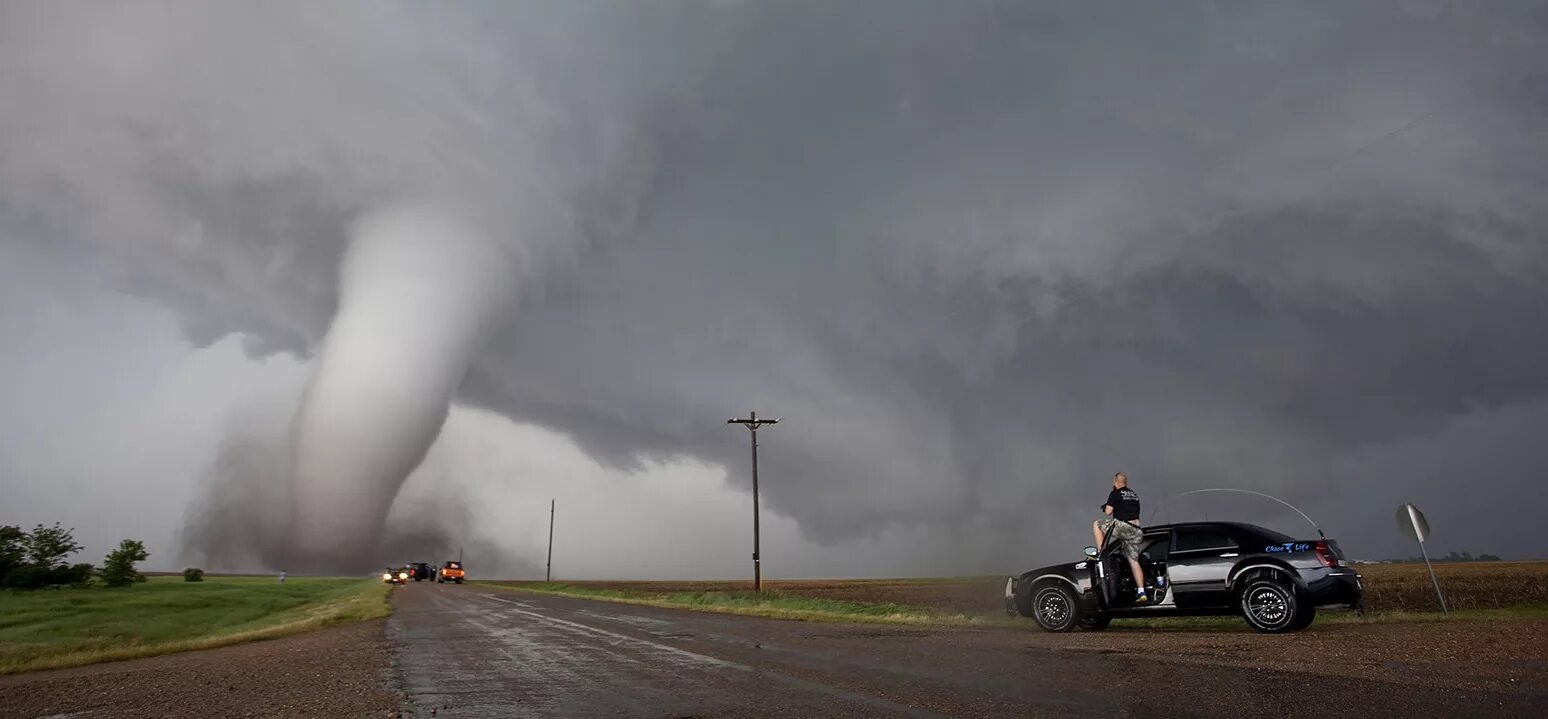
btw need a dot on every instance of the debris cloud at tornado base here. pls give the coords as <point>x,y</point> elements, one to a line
<point>240,520</point>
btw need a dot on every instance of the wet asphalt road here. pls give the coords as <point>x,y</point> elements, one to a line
<point>466,651</point>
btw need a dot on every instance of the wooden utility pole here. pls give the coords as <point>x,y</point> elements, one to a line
<point>753,423</point>
<point>548,576</point>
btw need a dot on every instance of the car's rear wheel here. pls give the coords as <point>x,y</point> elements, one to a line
<point>1271,605</point>
<point>1055,608</point>
<point>1095,624</point>
<point>1304,616</point>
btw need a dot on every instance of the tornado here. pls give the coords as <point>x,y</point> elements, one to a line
<point>418,287</point>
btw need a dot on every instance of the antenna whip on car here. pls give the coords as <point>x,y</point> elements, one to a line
<point>1259,494</point>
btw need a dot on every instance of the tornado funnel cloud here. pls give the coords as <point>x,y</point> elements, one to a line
<point>417,288</point>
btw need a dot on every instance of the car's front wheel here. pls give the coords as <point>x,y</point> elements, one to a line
<point>1054,607</point>
<point>1271,606</point>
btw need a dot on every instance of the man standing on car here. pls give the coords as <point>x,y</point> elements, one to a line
<point>1123,514</point>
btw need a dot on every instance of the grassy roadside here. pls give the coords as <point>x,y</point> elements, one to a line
<point>769,604</point>
<point>794,600</point>
<point>73,627</point>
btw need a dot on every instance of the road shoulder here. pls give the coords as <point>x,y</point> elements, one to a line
<point>338,671</point>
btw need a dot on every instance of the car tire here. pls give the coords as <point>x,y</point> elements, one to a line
<point>1305,615</point>
<point>1054,607</point>
<point>1270,605</point>
<point>1095,624</point>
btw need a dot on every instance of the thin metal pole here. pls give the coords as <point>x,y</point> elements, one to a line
<point>1433,580</point>
<point>757,563</point>
<point>548,576</point>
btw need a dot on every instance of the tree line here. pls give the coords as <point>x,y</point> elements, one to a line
<point>40,559</point>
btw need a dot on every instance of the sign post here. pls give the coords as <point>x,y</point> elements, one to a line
<point>1413,524</point>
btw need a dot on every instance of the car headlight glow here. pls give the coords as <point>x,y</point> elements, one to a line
<point>403,575</point>
<point>386,576</point>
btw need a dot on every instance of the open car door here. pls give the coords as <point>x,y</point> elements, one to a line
<point>1114,581</point>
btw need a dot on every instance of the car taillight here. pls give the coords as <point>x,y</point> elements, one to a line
<point>1325,554</point>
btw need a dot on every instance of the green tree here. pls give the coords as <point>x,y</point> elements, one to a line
<point>49,547</point>
<point>118,568</point>
<point>193,574</point>
<point>13,550</point>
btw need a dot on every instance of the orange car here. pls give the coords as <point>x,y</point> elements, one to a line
<point>450,572</point>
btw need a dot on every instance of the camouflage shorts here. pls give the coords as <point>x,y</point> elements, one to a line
<point>1127,535</point>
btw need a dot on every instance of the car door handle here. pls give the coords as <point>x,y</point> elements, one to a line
<point>1229,554</point>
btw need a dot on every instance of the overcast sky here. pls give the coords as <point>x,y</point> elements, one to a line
<point>979,255</point>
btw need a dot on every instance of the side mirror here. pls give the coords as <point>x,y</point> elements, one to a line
<point>1091,552</point>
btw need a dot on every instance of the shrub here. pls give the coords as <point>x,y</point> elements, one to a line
<point>118,569</point>
<point>193,574</point>
<point>75,575</point>
<point>26,576</point>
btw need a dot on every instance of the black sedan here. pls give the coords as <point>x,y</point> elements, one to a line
<point>1274,582</point>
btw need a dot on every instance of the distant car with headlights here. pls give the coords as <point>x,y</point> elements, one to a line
<point>396,576</point>
<point>1274,582</point>
<point>450,572</point>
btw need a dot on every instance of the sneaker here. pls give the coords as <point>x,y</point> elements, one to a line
<point>1140,597</point>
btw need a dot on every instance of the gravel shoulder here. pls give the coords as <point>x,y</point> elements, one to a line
<point>342,671</point>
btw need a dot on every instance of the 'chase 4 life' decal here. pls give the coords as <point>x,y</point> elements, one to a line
<point>1288,547</point>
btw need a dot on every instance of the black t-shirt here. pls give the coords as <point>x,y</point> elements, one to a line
<point>1125,504</point>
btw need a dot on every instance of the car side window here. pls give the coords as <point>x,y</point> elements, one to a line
<point>1156,547</point>
<point>1191,539</point>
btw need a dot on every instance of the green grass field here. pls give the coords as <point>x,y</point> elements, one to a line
<point>70,627</point>
<point>1394,593</point>
<point>771,603</point>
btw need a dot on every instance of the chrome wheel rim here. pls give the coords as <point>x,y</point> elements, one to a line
<point>1053,608</point>
<point>1268,606</point>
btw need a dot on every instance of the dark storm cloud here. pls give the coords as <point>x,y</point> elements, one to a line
<point>981,255</point>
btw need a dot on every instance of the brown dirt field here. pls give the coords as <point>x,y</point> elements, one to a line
<point>1510,654</point>
<point>1467,585</point>
<point>341,671</point>
<point>1389,587</point>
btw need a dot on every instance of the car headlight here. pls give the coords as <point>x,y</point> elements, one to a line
<point>386,576</point>
<point>403,575</point>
